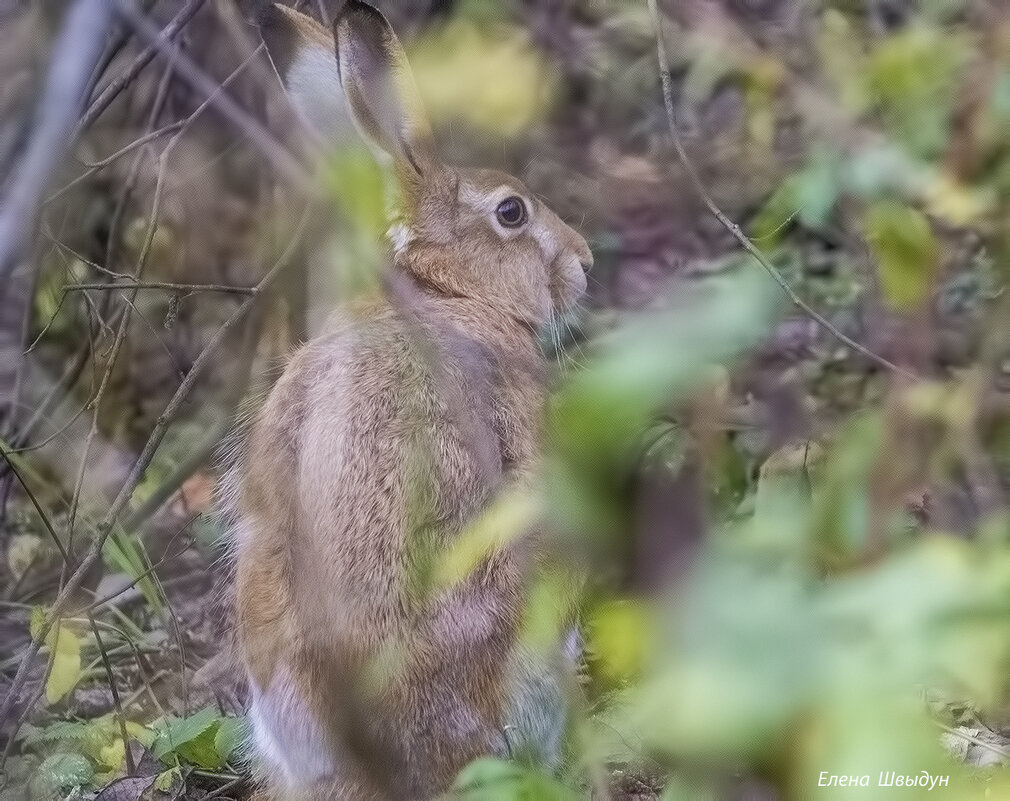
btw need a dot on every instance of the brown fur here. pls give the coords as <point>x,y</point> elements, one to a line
<point>383,438</point>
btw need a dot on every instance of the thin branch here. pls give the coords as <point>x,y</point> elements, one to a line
<point>163,160</point>
<point>115,88</point>
<point>76,52</point>
<point>275,152</point>
<point>94,167</point>
<point>733,228</point>
<point>225,288</point>
<point>116,701</point>
<point>97,604</point>
<point>12,466</point>
<point>114,48</point>
<point>108,522</point>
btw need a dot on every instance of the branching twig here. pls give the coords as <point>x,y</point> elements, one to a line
<point>108,522</point>
<point>114,688</point>
<point>732,227</point>
<point>277,154</point>
<point>231,290</point>
<point>145,251</point>
<point>115,88</point>
<point>94,167</point>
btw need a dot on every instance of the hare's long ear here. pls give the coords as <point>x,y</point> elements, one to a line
<point>302,53</point>
<point>379,87</point>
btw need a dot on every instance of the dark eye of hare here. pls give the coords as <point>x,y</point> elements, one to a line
<point>511,212</point>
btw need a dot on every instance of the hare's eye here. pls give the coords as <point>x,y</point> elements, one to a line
<point>511,212</point>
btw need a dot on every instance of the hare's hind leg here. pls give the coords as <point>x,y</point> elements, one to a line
<point>537,717</point>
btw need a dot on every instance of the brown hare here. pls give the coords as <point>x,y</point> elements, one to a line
<point>382,439</point>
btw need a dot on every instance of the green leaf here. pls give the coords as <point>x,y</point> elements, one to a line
<point>65,650</point>
<point>126,554</point>
<point>55,732</point>
<point>59,773</point>
<point>176,733</point>
<point>912,76</point>
<point>640,368</point>
<point>165,780</point>
<point>816,188</point>
<point>230,733</point>
<point>906,250</point>
<point>491,779</point>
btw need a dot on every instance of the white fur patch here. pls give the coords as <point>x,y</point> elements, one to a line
<point>285,734</point>
<point>313,83</point>
<point>400,235</point>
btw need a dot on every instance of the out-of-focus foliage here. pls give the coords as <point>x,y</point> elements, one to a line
<point>790,561</point>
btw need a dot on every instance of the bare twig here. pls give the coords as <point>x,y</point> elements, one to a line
<point>76,51</point>
<point>115,88</point>
<point>94,626</point>
<point>97,604</point>
<point>113,49</point>
<point>114,688</point>
<point>733,228</point>
<point>94,167</point>
<point>108,522</point>
<point>163,160</point>
<point>277,154</point>
<point>225,288</point>
<point>12,466</point>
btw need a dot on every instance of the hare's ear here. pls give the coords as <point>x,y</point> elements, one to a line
<point>302,53</point>
<point>379,87</point>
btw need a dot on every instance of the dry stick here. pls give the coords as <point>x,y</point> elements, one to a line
<point>124,323</point>
<point>231,290</point>
<point>94,167</point>
<point>75,53</point>
<point>115,88</point>
<point>59,432</point>
<point>140,577</point>
<point>12,466</point>
<point>108,522</point>
<point>127,313</point>
<point>733,228</point>
<point>275,152</point>
<point>203,450</point>
<point>116,702</point>
<point>94,626</point>
<point>115,47</point>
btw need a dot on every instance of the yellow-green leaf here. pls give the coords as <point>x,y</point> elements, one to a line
<point>113,756</point>
<point>167,779</point>
<point>619,635</point>
<point>65,647</point>
<point>906,250</point>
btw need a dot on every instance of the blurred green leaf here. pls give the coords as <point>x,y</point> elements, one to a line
<point>488,75</point>
<point>842,55</point>
<point>497,780</point>
<point>912,75</point>
<point>906,250</point>
<point>645,365</point>
<point>619,638</point>
<point>58,774</point>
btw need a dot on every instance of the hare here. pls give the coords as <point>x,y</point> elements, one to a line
<point>381,440</point>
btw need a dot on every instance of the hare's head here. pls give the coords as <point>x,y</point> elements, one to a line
<point>473,233</point>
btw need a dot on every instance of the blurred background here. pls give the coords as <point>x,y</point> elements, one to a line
<point>792,518</point>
